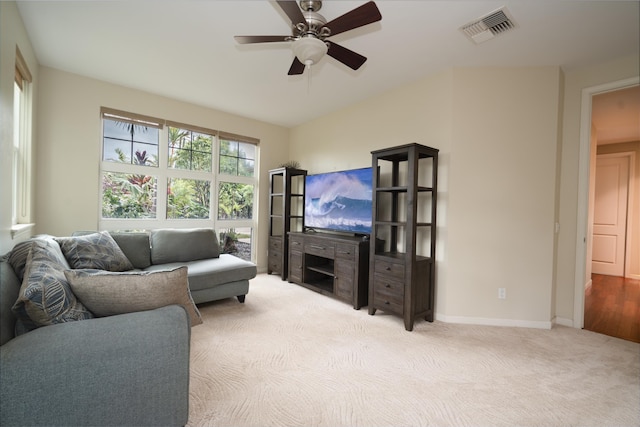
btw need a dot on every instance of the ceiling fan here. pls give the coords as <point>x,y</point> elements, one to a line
<point>310,31</point>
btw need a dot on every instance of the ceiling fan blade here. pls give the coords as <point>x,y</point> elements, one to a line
<point>297,67</point>
<point>261,39</point>
<point>348,57</point>
<point>358,17</point>
<point>292,10</point>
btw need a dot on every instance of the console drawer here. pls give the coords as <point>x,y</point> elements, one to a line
<point>296,243</point>
<point>346,252</point>
<point>393,270</point>
<point>275,244</point>
<point>275,262</point>
<point>319,248</point>
<point>388,294</point>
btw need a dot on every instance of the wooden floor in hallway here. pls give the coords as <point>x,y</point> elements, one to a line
<point>612,307</point>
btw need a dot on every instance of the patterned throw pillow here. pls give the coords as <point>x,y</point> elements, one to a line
<point>107,294</point>
<point>45,296</point>
<point>94,251</point>
<point>19,253</point>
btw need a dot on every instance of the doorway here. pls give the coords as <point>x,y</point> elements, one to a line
<point>599,249</point>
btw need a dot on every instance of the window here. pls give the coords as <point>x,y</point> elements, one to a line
<point>20,212</point>
<point>156,173</point>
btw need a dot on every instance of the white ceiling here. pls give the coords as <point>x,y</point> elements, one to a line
<point>185,49</point>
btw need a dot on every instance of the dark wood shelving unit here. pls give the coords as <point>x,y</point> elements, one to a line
<point>402,276</point>
<point>286,213</point>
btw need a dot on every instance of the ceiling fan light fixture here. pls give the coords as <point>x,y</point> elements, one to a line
<point>309,50</point>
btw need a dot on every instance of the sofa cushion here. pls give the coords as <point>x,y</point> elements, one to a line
<point>136,247</point>
<point>94,251</point>
<point>207,273</point>
<point>108,293</point>
<point>9,292</point>
<point>45,296</point>
<point>180,245</point>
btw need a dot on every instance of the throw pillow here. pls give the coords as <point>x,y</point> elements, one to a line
<point>45,296</point>
<point>19,253</point>
<point>107,293</point>
<point>94,251</point>
<point>182,245</point>
<point>136,247</point>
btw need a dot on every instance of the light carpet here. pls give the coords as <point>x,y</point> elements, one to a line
<point>292,357</point>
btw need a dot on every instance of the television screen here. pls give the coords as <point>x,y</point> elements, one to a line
<point>339,201</point>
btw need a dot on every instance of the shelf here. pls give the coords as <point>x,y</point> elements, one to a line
<point>401,189</point>
<point>323,270</point>
<point>400,256</point>
<point>391,223</point>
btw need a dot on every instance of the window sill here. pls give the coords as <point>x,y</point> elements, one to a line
<point>19,230</point>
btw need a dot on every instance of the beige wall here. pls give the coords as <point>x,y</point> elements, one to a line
<point>496,129</point>
<point>12,35</point>
<point>576,81</point>
<point>69,129</point>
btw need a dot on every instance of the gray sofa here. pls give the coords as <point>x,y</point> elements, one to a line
<point>212,275</point>
<point>77,368</point>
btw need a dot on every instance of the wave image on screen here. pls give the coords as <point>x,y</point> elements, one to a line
<point>339,201</point>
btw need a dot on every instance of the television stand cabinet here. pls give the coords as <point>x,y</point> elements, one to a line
<point>330,264</point>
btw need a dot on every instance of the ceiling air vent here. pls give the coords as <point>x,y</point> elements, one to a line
<point>489,26</point>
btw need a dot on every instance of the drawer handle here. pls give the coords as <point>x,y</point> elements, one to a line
<point>344,252</point>
<point>387,285</point>
<point>388,268</point>
<point>322,248</point>
<point>387,302</point>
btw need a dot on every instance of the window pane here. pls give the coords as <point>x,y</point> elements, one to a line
<point>128,195</point>
<point>235,201</point>
<point>236,241</point>
<point>145,154</point>
<point>245,167</point>
<point>237,158</point>
<point>247,151</point>
<point>116,150</point>
<point>229,148</point>
<point>188,198</point>
<point>128,143</point>
<point>190,150</point>
<point>229,165</point>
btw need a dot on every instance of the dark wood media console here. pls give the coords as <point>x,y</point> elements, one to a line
<point>331,264</point>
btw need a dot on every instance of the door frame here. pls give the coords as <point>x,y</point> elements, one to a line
<point>584,213</point>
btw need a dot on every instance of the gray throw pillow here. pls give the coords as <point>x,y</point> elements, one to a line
<point>182,245</point>
<point>106,293</point>
<point>45,296</point>
<point>136,247</point>
<point>94,251</point>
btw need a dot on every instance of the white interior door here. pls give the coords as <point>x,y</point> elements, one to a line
<point>610,215</point>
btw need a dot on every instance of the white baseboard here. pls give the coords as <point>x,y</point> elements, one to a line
<point>562,321</point>
<point>535,324</point>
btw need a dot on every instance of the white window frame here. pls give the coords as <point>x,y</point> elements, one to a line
<point>22,147</point>
<point>162,173</point>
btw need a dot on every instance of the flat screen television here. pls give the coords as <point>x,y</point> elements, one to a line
<point>339,201</point>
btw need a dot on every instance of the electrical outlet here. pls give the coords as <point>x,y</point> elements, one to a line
<point>502,293</point>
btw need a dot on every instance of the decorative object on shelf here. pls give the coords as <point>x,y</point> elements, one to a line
<point>310,31</point>
<point>402,270</point>
<point>293,164</point>
<point>286,213</point>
